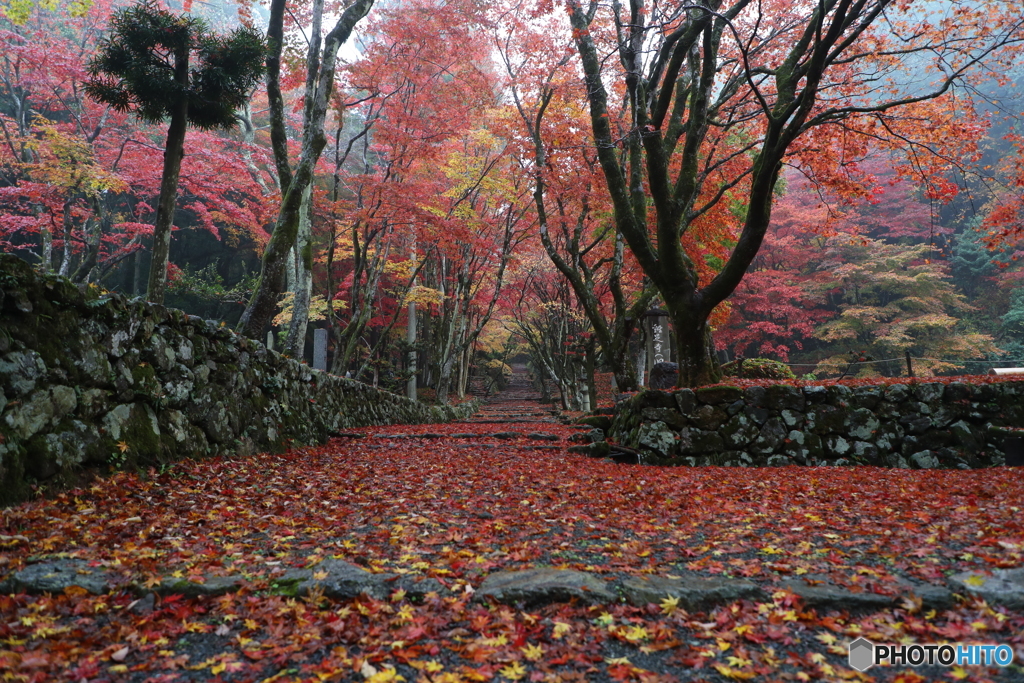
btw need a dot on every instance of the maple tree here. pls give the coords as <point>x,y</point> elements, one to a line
<point>428,209</point>
<point>718,95</point>
<point>320,70</point>
<point>840,279</point>
<point>155,65</point>
<point>545,315</point>
<point>571,203</point>
<point>893,301</point>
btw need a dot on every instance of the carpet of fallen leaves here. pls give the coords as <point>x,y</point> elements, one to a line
<point>458,510</point>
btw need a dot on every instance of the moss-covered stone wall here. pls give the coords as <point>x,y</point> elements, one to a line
<point>922,424</point>
<point>96,379</point>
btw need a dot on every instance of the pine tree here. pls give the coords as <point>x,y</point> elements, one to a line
<point>159,65</point>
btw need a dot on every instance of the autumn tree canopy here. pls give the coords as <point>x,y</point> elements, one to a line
<point>515,171</point>
<point>717,96</point>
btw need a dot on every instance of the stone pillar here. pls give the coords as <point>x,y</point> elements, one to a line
<point>584,395</point>
<point>320,350</point>
<point>270,340</point>
<point>659,348</point>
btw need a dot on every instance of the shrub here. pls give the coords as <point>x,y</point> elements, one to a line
<point>757,368</point>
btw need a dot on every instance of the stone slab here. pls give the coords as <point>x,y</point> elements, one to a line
<point>829,596</point>
<point>695,593</point>
<point>543,586</point>
<point>211,586</point>
<point>53,576</point>
<point>1004,587</point>
<point>338,579</point>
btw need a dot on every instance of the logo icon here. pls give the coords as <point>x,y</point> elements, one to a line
<point>862,654</point>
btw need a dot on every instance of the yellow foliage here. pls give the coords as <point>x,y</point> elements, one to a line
<point>493,338</point>
<point>317,309</point>
<point>19,11</point>
<point>68,162</point>
<point>423,296</point>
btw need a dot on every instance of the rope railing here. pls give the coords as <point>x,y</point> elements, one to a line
<point>904,366</point>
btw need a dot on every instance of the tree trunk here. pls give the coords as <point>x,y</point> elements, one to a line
<point>698,363</point>
<point>319,87</point>
<point>65,262</point>
<point>173,153</point>
<point>46,253</point>
<point>295,345</point>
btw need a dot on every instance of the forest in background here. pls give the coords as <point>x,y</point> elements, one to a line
<point>423,207</point>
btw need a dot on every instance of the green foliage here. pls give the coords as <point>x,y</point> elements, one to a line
<point>134,70</point>
<point>894,299</point>
<point>207,284</point>
<point>971,262</point>
<point>757,368</point>
<point>1013,321</point>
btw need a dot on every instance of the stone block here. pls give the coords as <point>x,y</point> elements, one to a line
<point>784,397</point>
<point>536,587</point>
<point>719,395</point>
<point>695,593</point>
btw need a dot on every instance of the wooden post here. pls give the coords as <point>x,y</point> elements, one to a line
<point>910,367</point>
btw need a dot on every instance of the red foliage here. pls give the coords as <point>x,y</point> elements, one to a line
<point>445,509</point>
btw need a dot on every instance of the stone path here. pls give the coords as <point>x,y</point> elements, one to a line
<point>514,415</point>
<point>341,580</point>
<point>514,419</point>
<point>518,404</point>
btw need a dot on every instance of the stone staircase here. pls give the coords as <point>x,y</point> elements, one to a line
<point>518,404</point>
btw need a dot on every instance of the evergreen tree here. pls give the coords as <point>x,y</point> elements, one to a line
<point>159,65</point>
<point>972,261</point>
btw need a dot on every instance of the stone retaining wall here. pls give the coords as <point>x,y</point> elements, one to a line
<point>921,424</point>
<point>91,379</point>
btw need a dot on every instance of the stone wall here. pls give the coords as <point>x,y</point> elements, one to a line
<point>921,424</point>
<point>96,379</point>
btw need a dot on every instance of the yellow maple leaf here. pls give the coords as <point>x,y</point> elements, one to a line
<point>560,630</point>
<point>826,638</point>
<point>122,446</point>
<point>388,675</point>
<point>533,652</point>
<point>958,673</point>
<point>513,671</point>
<point>975,580</point>
<point>669,605</point>
<point>736,674</point>
<point>636,633</point>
